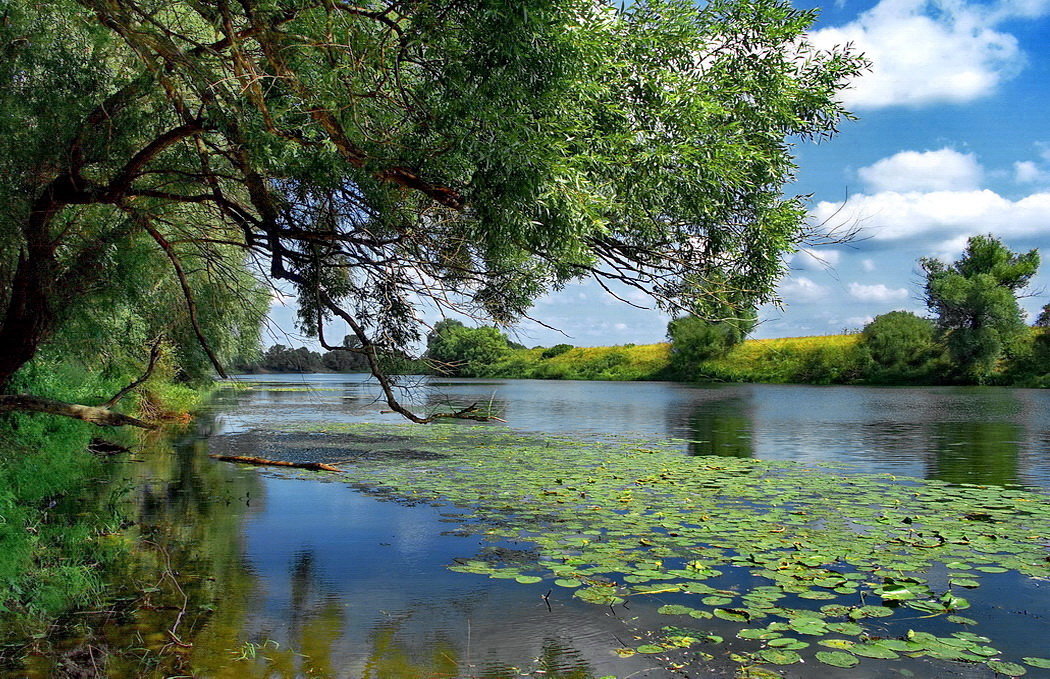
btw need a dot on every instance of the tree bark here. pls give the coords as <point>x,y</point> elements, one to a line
<point>102,417</point>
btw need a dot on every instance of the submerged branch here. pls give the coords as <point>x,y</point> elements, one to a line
<point>316,466</point>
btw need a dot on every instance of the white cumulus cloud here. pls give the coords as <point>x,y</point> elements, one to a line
<point>858,321</point>
<point>816,260</point>
<point>895,216</point>
<point>942,170</point>
<point>931,51</point>
<point>802,289</point>
<point>878,292</point>
<point>1027,172</point>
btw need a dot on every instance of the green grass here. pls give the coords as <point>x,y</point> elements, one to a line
<point>825,359</point>
<point>52,538</point>
<point>625,362</point>
<point>812,360</point>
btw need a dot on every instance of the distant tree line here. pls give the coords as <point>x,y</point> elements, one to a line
<point>281,359</point>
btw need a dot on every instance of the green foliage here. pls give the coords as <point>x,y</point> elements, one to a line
<point>975,299</point>
<point>282,359</point>
<point>694,340</point>
<point>1043,319</point>
<point>556,350</point>
<point>344,362</point>
<point>461,150</point>
<point>901,345</point>
<point>49,564</point>
<point>469,352</point>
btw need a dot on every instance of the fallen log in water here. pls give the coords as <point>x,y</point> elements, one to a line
<point>316,466</point>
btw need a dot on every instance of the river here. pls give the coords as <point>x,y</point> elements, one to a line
<point>287,575</point>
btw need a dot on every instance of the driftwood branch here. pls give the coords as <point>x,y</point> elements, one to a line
<point>316,466</point>
<point>97,415</point>
<point>468,413</point>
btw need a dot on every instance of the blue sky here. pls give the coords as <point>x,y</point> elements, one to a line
<point>953,139</point>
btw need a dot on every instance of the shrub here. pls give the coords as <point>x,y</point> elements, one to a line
<point>695,340</point>
<point>467,351</point>
<point>556,350</point>
<point>901,345</point>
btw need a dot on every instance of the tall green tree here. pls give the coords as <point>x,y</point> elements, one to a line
<point>975,299</point>
<point>473,153</point>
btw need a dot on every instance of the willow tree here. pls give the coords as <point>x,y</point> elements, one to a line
<point>976,302</point>
<point>470,154</point>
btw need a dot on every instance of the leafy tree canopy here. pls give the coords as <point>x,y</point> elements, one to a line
<point>460,350</point>
<point>694,339</point>
<point>975,299</point>
<point>387,154</point>
<point>899,341</point>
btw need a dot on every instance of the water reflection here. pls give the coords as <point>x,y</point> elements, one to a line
<point>232,572</point>
<point>977,435</point>
<point>975,452</point>
<point>722,427</point>
<point>241,573</point>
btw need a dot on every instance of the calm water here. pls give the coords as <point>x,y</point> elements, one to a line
<point>295,577</point>
<point>957,434</point>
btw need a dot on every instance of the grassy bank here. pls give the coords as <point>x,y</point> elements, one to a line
<point>830,359</point>
<point>825,359</point>
<point>624,362</point>
<point>58,534</point>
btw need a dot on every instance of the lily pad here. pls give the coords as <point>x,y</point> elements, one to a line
<point>732,614</point>
<point>1008,668</point>
<point>874,651</point>
<point>779,656</point>
<point>567,582</point>
<point>837,658</point>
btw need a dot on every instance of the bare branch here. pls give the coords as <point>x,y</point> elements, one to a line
<point>154,354</point>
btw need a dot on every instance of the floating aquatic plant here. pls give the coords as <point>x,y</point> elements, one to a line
<point>839,564</point>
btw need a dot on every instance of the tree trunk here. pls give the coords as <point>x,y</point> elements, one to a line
<point>98,416</point>
<point>29,315</point>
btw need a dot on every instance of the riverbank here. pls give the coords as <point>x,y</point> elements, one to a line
<point>824,359</point>
<point>829,359</point>
<point>58,536</point>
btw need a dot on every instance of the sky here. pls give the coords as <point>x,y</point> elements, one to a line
<point>952,140</point>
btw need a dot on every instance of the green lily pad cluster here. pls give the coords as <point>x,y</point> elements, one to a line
<point>833,558</point>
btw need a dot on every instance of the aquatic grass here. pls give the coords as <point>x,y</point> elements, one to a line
<point>839,558</point>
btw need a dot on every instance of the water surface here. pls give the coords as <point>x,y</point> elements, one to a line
<point>290,575</point>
